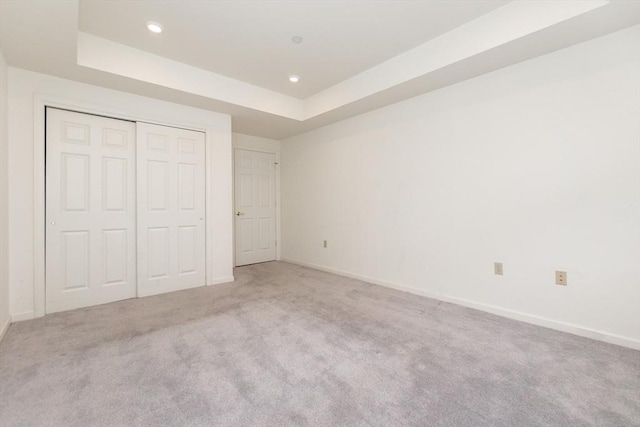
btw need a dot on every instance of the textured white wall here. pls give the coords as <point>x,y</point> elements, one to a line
<point>22,88</point>
<point>4,199</point>
<point>535,165</point>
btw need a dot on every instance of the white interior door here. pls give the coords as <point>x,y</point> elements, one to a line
<point>255,203</point>
<point>90,210</point>
<point>171,209</point>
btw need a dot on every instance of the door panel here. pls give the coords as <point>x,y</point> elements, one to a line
<point>158,252</point>
<point>187,236</point>
<point>90,210</point>
<point>114,181</point>
<point>115,256</point>
<point>255,203</point>
<point>171,209</point>
<point>75,252</point>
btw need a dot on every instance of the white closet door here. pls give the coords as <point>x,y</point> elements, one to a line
<point>171,209</point>
<point>255,202</point>
<point>90,210</point>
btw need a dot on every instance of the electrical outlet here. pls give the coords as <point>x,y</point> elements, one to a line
<point>561,278</point>
<point>497,268</point>
<point>324,243</point>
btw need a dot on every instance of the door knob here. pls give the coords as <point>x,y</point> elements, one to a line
<point>238,213</point>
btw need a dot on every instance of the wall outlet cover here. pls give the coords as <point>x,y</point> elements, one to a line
<point>561,278</point>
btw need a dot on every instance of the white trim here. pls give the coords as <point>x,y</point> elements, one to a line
<point>278,205</point>
<point>511,314</point>
<point>40,102</point>
<point>221,281</point>
<point>5,327</point>
<point>39,215</point>
<point>25,315</point>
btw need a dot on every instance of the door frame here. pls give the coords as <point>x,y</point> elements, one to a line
<point>259,149</point>
<point>41,101</point>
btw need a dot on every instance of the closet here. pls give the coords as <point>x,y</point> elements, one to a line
<point>125,209</point>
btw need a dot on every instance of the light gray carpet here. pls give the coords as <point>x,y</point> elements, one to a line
<point>286,345</point>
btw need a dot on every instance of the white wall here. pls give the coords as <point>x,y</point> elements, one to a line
<point>265,145</point>
<point>4,194</point>
<point>535,165</point>
<point>25,89</point>
<point>250,142</point>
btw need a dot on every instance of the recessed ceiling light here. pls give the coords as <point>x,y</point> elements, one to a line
<point>294,79</point>
<point>154,27</point>
<point>297,39</point>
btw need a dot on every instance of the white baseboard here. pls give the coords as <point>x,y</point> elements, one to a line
<point>28,315</point>
<point>504,312</point>
<point>222,280</point>
<point>5,327</point>
<point>19,317</point>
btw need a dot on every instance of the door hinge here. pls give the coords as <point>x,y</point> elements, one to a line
<point>276,243</point>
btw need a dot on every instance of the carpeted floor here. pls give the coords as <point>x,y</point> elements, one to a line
<point>287,345</point>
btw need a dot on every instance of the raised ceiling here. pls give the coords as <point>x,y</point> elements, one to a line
<point>251,41</point>
<point>234,56</point>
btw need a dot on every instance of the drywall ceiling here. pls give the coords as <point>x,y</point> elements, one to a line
<point>252,41</point>
<point>234,56</point>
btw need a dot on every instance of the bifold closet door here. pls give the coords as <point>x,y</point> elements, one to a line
<point>171,209</point>
<point>90,210</point>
